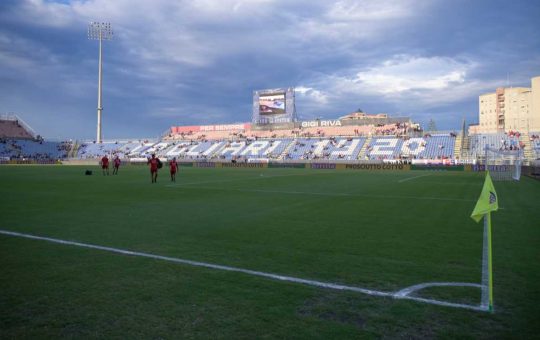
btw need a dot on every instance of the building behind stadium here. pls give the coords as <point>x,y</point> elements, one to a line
<point>509,109</point>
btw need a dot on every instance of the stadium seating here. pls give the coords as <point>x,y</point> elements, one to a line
<point>246,148</point>
<point>124,149</point>
<point>384,148</point>
<point>32,149</point>
<point>326,148</point>
<point>293,147</point>
<point>190,149</point>
<point>208,135</point>
<point>496,140</point>
<point>97,150</point>
<point>306,148</point>
<point>394,129</point>
<point>437,146</point>
<point>535,144</point>
<point>265,148</point>
<point>427,147</point>
<point>269,148</point>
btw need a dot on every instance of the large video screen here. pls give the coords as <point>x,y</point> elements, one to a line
<point>272,104</point>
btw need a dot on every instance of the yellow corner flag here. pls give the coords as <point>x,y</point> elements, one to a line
<point>487,201</point>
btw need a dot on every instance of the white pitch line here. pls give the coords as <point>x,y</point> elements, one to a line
<point>409,178</point>
<point>314,283</point>
<point>407,291</point>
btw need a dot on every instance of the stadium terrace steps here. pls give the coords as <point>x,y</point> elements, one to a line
<point>287,149</point>
<point>74,150</point>
<point>363,151</point>
<point>466,143</point>
<point>527,146</point>
<point>458,146</point>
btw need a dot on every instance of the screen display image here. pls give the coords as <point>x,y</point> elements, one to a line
<point>272,104</point>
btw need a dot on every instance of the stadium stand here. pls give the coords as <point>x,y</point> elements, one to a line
<point>299,144</point>
<point>97,150</point>
<point>32,149</point>
<point>374,142</point>
<point>384,148</point>
<point>123,149</point>
<point>497,140</point>
<point>427,147</point>
<point>18,141</point>
<point>271,149</point>
<point>14,130</point>
<point>397,129</point>
<point>347,143</point>
<point>191,149</point>
<point>12,126</point>
<point>251,149</point>
<point>535,144</point>
<point>306,141</point>
<point>326,148</point>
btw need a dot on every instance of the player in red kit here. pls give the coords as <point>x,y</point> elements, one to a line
<point>173,167</point>
<point>116,165</point>
<point>153,167</point>
<point>105,165</point>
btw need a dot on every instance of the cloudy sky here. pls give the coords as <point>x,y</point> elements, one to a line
<point>175,62</point>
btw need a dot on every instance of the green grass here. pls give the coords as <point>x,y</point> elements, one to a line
<point>363,229</point>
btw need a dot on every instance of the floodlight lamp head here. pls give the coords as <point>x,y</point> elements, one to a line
<point>100,31</point>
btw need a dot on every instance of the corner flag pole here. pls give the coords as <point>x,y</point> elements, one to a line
<point>487,202</point>
<point>487,222</point>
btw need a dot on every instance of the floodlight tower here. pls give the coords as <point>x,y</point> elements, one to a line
<point>99,31</point>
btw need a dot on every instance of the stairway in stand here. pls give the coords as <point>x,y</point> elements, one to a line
<point>527,150</point>
<point>363,150</point>
<point>287,149</point>
<point>466,146</point>
<point>74,150</point>
<point>457,147</point>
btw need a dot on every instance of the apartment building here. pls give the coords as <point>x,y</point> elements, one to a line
<point>514,108</point>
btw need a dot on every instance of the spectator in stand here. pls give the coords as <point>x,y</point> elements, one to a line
<point>116,165</point>
<point>105,165</point>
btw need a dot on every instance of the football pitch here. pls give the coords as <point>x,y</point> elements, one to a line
<point>379,231</point>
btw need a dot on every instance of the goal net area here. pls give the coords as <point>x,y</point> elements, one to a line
<point>504,165</point>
